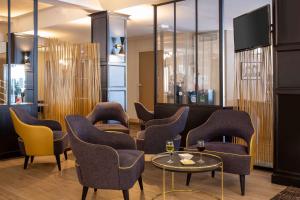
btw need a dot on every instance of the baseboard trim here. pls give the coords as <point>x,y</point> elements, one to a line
<point>10,154</point>
<point>286,179</point>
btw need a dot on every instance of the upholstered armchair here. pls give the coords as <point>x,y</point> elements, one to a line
<point>236,157</point>
<point>143,114</point>
<point>106,112</point>
<point>38,137</point>
<point>104,160</point>
<point>153,139</point>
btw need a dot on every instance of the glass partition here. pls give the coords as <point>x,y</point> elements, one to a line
<point>21,78</point>
<point>188,35</point>
<point>3,52</point>
<point>185,52</point>
<point>208,52</point>
<point>165,43</point>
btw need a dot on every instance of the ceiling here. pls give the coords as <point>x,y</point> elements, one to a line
<point>77,26</point>
<point>20,7</point>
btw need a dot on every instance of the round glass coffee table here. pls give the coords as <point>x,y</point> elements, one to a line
<point>211,163</point>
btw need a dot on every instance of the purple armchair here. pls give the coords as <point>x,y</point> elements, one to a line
<point>104,160</point>
<point>236,157</point>
<point>153,139</point>
<point>106,112</point>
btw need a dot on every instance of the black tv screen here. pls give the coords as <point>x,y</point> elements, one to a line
<point>252,30</point>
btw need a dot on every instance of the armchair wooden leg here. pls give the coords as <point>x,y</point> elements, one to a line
<point>66,155</point>
<point>213,174</point>
<point>242,182</point>
<point>26,162</point>
<point>31,159</point>
<point>95,189</point>
<point>58,161</point>
<point>84,192</point>
<point>126,194</point>
<point>141,183</point>
<point>188,179</point>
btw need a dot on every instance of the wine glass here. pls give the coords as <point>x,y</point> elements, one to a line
<point>201,147</point>
<point>170,150</point>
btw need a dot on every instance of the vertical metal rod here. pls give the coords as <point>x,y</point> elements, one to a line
<point>35,53</point>
<point>174,53</point>
<point>196,52</point>
<point>221,38</point>
<point>222,182</point>
<point>155,53</point>
<point>173,182</point>
<point>164,184</point>
<point>9,51</point>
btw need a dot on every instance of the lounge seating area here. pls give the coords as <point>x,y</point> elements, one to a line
<point>149,100</point>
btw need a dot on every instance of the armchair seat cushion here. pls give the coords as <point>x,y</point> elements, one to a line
<point>112,127</point>
<point>131,167</point>
<point>235,157</point>
<point>227,148</point>
<point>128,158</point>
<point>60,142</point>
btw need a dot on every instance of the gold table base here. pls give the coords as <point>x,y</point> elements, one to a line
<point>173,190</point>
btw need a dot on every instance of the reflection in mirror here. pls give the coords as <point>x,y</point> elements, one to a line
<point>21,84</point>
<point>3,53</point>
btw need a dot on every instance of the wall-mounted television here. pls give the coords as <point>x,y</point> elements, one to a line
<point>252,30</point>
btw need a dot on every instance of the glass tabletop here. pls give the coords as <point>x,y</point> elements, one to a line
<point>211,162</point>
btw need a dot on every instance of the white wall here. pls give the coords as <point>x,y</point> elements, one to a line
<point>229,67</point>
<point>135,45</point>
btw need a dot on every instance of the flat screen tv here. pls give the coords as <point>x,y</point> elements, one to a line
<point>252,30</point>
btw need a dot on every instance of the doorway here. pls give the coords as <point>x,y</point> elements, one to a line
<point>146,77</point>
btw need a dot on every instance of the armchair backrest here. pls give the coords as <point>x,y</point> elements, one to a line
<point>142,112</point>
<point>225,123</point>
<point>105,111</point>
<point>157,135</point>
<point>24,116</point>
<point>38,140</point>
<point>97,165</point>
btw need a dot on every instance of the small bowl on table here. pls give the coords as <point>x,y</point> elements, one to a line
<point>185,156</point>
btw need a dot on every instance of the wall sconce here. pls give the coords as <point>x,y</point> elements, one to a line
<point>117,47</point>
<point>26,57</point>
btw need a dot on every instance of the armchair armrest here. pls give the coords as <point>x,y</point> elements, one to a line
<point>116,140</point>
<point>142,113</point>
<point>252,150</point>
<point>203,132</point>
<point>157,135</point>
<point>53,125</point>
<point>158,122</point>
<point>121,140</point>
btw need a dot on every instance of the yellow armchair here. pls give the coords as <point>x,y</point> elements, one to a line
<point>37,139</point>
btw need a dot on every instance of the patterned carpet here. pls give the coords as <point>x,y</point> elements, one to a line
<point>290,193</point>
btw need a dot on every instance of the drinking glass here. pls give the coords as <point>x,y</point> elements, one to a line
<point>170,150</point>
<point>201,147</point>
